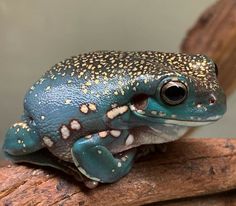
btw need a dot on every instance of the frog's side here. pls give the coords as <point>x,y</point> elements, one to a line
<point>84,109</point>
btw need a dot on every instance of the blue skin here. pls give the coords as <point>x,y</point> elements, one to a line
<point>85,107</point>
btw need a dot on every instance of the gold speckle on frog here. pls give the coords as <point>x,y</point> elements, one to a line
<point>98,66</point>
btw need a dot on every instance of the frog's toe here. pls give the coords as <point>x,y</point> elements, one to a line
<point>20,139</point>
<point>91,184</point>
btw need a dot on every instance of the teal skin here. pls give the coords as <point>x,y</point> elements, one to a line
<point>88,114</point>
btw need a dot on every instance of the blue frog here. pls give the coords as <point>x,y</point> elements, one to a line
<point>88,114</point>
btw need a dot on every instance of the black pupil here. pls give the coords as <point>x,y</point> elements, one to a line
<point>175,93</point>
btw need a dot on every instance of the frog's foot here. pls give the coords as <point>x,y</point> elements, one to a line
<point>21,139</point>
<point>91,184</point>
<point>95,161</point>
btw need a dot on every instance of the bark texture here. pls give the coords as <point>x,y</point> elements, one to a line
<point>189,168</point>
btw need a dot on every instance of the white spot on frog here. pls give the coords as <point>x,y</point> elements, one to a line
<point>65,132</point>
<point>129,140</point>
<point>84,109</point>
<point>47,141</point>
<point>154,112</point>
<point>132,107</point>
<point>119,164</point>
<point>75,125</point>
<point>199,105</point>
<point>115,133</point>
<point>103,134</point>
<point>162,114</point>
<point>117,111</point>
<point>68,101</point>
<point>114,105</point>
<point>141,111</point>
<point>173,116</point>
<point>92,107</point>
<point>48,88</point>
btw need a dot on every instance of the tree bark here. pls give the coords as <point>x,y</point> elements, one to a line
<point>189,168</point>
<point>222,199</point>
<point>214,34</point>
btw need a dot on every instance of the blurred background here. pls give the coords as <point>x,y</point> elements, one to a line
<point>34,35</point>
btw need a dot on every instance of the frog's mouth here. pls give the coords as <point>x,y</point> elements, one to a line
<point>145,107</point>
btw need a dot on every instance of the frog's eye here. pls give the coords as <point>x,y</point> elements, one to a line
<point>174,92</point>
<point>216,69</point>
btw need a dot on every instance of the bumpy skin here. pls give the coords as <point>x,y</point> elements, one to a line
<point>84,109</point>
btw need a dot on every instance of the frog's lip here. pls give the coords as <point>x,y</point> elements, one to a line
<point>187,123</point>
<point>190,123</point>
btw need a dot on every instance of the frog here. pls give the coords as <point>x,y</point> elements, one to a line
<point>89,114</point>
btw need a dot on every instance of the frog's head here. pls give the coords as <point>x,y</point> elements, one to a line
<point>187,93</point>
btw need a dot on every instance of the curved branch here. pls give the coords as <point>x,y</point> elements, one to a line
<point>190,167</point>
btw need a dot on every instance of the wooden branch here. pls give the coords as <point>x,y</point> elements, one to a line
<point>222,199</point>
<point>215,35</point>
<point>190,167</point>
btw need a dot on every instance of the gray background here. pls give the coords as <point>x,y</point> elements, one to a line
<point>34,35</point>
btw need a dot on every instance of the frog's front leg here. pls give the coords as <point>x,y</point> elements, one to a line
<point>94,160</point>
<point>21,140</point>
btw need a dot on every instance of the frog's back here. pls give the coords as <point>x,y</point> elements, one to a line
<point>104,76</point>
<point>83,88</point>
